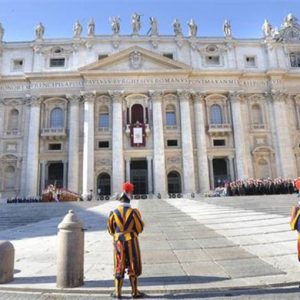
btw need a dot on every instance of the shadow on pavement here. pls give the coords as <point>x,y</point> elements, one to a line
<point>33,280</point>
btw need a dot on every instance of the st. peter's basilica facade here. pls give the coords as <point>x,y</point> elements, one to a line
<point>172,113</point>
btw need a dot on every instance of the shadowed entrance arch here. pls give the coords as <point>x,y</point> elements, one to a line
<point>220,171</point>
<point>103,184</point>
<point>174,182</point>
<point>56,174</point>
<point>139,176</point>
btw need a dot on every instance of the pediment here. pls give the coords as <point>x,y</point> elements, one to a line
<point>135,59</point>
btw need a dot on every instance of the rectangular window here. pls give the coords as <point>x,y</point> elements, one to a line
<point>212,60</point>
<point>218,143</point>
<point>101,56</point>
<point>54,147</point>
<point>295,60</point>
<point>250,61</point>
<point>172,143</point>
<point>168,55</point>
<point>170,118</point>
<point>103,144</point>
<point>18,64</point>
<point>104,120</point>
<point>57,62</point>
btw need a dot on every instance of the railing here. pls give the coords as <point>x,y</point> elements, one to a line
<point>12,132</point>
<point>258,126</point>
<point>219,127</point>
<point>53,132</point>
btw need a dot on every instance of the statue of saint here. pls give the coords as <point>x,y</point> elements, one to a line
<point>136,23</point>
<point>227,28</point>
<point>39,31</point>
<point>115,25</point>
<point>91,28</point>
<point>77,30</point>
<point>289,20</point>
<point>1,32</point>
<point>192,28</point>
<point>153,26</point>
<point>177,27</point>
<point>266,29</point>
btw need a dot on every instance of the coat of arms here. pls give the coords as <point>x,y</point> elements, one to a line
<point>135,60</point>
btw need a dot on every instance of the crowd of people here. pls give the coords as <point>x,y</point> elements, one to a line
<point>24,200</point>
<point>260,187</point>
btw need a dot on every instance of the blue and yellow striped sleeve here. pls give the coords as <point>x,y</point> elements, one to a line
<point>139,224</point>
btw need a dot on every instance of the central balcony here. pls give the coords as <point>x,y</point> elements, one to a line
<point>219,129</point>
<point>53,133</point>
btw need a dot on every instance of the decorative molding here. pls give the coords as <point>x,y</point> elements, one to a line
<point>135,60</point>
<point>184,95</point>
<point>116,95</point>
<point>88,96</point>
<point>156,96</point>
<point>73,99</point>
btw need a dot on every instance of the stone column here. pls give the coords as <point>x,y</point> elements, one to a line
<point>128,169</point>
<point>32,164</point>
<point>231,170</point>
<point>88,143</point>
<point>159,167</point>
<point>73,166</point>
<point>43,174</point>
<point>2,125</point>
<point>149,166</point>
<point>283,136</point>
<point>239,136</point>
<point>65,173</point>
<point>186,142</point>
<point>203,173</point>
<point>211,172</point>
<point>117,141</point>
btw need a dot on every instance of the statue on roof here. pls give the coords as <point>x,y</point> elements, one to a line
<point>192,28</point>
<point>39,31</point>
<point>91,28</point>
<point>153,26</point>
<point>115,25</point>
<point>267,28</point>
<point>289,21</point>
<point>136,23</point>
<point>177,27</point>
<point>77,30</point>
<point>227,28</point>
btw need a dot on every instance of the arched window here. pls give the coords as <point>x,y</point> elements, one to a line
<point>257,116</point>
<point>13,120</point>
<point>103,117</point>
<point>170,115</point>
<point>137,113</point>
<point>174,182</point>
<point>57,118</point>
<point>9,178</point>
<point>216,114</point>
<point>103,184</point>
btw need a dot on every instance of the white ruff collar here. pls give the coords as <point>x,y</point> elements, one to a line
<point>125,204</point>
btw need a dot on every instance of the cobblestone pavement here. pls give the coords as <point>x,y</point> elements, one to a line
<point>191,249</point>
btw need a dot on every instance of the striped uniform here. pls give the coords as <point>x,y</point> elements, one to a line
<point>295,225</point>
<point>125,224</point>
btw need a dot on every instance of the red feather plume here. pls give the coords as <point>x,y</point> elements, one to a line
<point>128,187</point>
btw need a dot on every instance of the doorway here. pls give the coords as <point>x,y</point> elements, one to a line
<point>55,174</point>
<point>220,172</point>
<point>174,183</point>
<point>139,176</point>
<point>103,184</point>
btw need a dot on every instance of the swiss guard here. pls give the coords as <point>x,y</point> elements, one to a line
<point>125,224</point>
<point>295,224</point>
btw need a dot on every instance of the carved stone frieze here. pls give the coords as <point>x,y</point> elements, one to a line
<point>12,102</point>
<point>135,60</point>
<point>88,96</point>
<point>116,95</point>
<point>33,100</point>
<point>176,160</point>
<point>73,99</point>
<point>237,96</point>
<point>184,95</point>
<point>104,162</point>
<point>278,96</point>
<point>156,95</point>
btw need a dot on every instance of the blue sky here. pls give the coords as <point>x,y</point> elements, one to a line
<point>19,17</point>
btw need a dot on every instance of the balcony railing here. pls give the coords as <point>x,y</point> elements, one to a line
<point>12,132</point>
<point>53,132</point>
<point>212,128</point>
<point>258,126</point>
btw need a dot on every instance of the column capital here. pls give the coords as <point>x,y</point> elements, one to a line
<point>237,96</point>
<point>116,95</point>
<point>184,95</point>
<point>33,100</point>
<point>88,96</point>
<point>73,99</point>
<point>156,95</point>
<point>199,96</point>
<point>278,96</point>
